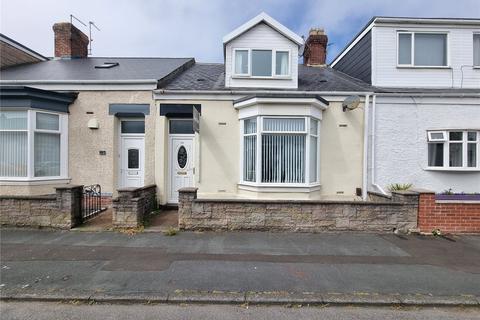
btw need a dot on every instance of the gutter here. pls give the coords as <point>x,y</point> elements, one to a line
<point>250,92</point>
<point>430,94</point>
<point>365,148</point>
<point>27,82</point>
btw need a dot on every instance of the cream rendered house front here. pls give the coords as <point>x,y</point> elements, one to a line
<point>268,128</point>
<point>259,126</point>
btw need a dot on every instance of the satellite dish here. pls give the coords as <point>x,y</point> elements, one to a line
<point>350,103</point>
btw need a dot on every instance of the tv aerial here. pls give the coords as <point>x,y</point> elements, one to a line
<point>90,25</point>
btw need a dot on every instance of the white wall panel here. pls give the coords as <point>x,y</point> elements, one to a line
<point>401,126</point>
<point>460,75</point>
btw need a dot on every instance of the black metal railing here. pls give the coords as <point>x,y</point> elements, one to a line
<point>92,201</point>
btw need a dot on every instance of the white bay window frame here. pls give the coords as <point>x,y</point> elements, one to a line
<point>412,64</point>
<point>31,130</point>
<point>261,132</point>
<point>273,67</point>
<point>446,149</point>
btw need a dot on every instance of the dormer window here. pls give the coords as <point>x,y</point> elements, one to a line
<point>282,64</point>
<point>422,49</point>
<point>261,63</point>
<point>241,62</point>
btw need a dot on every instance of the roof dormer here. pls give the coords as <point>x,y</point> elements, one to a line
<point>262,53</point>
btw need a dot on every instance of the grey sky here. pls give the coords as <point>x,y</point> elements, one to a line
<point>178,28</point>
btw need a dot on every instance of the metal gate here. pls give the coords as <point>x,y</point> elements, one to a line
<point>92,201</point>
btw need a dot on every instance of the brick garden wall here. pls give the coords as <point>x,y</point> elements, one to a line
<point>61,210</point>
<point>381,215</point>
<point>451,217</point>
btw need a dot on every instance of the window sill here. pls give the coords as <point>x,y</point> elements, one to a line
<point>32,181</point>
<point>423,67</point>
<point>286,188</point>
<point>452,169</point>
<point>262,78</point>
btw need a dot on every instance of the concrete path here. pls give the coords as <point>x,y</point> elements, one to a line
<point>240,267</point>
<point>53,311</point>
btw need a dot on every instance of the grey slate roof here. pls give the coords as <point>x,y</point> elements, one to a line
<point>211,76</point>
<point>84,69</point>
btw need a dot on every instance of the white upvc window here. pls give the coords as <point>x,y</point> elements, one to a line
<point>280,151</point>
<point>454,149</point>
<point>476,50</point>
<point>261,63</point>
<point>422,49</point>
<point>33,145</point>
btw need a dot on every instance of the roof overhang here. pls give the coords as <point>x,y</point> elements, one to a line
<point>279,99</point>
<point>429,21</point>
<point>265,18</point>
<point>22,48</point>
<point>83,85</point>
<point>27,97</point>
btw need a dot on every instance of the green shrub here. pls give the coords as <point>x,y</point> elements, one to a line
<point>170,232</point>
<point>399,186</point>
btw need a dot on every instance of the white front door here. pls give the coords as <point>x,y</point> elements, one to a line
<point>181,165</point>
<point>132,161</point>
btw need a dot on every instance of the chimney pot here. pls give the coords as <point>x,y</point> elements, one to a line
<point>315,53</point>
<point>70,42</point>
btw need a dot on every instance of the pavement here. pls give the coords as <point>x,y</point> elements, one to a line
<point>240,268</point>
<point>74,311</point>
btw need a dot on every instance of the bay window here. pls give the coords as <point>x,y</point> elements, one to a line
<point>261,63</point>
<point>14,143</point>
<point>422,49</point>
<point>31,145</point>
<point>280,151</point>
<point>453,150</point>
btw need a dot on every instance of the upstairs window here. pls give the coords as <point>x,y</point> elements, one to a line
<point>241,62</point>
<point>281,63</point>
<point>453,149</point>
<point>420,49</point>
<point>476,49</point>
<point>261,63</point>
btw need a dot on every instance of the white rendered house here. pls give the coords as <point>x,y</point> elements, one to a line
<point>424,118</point>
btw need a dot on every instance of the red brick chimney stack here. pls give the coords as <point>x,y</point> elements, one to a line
<point>70,42</point>
<point>315,53</point>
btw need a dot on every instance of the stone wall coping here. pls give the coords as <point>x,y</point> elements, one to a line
<point>421,190</point>
<point>68,186</point>
<point>410,192</point>
<point>133,189</point>
<point>293,202</point>
<point>458,201</point>
<point>188,190</point>
<point>27,197</point>
<point>378,194</point>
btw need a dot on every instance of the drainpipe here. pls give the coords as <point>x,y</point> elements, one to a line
<point>365,148</point>
<point>374,100</point>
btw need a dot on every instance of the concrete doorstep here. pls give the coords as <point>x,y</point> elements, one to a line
<point>254,298</point>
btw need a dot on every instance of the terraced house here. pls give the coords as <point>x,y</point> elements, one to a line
<point>260,140</point>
